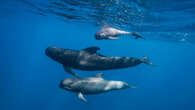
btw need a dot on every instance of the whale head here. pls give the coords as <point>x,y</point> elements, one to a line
<point>53,52</point>
<point>100,35</point>
<point>67,84</point>
<point>63,56</point>
<point>97,36</point>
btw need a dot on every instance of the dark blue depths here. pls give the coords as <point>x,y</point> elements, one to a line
<point>29,79</point>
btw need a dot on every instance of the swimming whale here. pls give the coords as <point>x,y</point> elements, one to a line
<point>88,59</point>
<point>110,33</point>
<point>91,85</point>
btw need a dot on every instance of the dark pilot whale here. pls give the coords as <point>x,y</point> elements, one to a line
<point>110,33</point>
<point>88,59</point>
<point>91,85</point>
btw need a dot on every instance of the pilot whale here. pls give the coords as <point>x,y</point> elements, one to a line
<point>88,59</point>
<point>91,85</point>
<point>110,33</point>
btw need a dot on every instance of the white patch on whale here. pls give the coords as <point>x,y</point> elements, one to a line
<point>96,80</point>
<point>113,85</point>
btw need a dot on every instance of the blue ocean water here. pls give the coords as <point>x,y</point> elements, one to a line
<point>29,79</point>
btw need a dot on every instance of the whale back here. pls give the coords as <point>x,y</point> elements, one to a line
<point>100,62</point>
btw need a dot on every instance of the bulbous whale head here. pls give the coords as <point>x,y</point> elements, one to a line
<point>53,52</point>
<point>67,84</point>
<point>63,56</point>
<point>100,35</point>
<point>97,36</point>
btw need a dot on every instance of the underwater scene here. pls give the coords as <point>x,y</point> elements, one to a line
<point>97,54</point>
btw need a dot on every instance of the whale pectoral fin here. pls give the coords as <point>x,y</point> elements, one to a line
<point>99,75</point>
<point>113,38</point>
<point>91,49</point>
<point>68,69</point>
<point>81,97</point>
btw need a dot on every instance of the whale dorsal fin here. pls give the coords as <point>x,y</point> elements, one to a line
<point>91,50</point>
<point>99,75</point>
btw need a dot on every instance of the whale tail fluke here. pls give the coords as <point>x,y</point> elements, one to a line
<point>145,60</point>
<point>137,35</point>
<point>130,86</point>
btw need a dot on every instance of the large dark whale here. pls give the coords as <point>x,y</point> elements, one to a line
<point>88,59</point>
<point>91,85</point>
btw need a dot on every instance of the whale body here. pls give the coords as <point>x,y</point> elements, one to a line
<point>110,33</point>
<point>91,85</point>
<point>89,60</point>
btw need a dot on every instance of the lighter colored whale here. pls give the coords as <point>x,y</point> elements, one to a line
<point>110,33</point>
<point>91,85</point>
